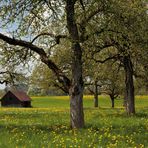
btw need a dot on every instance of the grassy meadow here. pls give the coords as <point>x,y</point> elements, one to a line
<point>46,125</point>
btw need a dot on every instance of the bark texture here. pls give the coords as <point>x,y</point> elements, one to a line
<point>96,95</point>
<point>130,100</point>
<point>112,100</point>
<point>76,89</point>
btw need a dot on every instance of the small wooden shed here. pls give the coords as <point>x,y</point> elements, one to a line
<point>15,98</point>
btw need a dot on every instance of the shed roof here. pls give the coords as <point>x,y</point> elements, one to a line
<point>22,96</point>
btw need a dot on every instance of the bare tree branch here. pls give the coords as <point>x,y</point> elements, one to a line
<point>116,57</point>
<point>57,37</point>
<point>91,15</point>
<point>82,4</point>
<point>91,91</point>
<point>61,88</point>
<point>4,81</point>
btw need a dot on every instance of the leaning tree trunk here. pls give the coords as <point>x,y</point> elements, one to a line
<point>96,95</point>
<point>76,89</point>
<point>130,100</point>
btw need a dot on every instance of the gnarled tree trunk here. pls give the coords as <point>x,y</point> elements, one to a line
<point>76,106</point>
<point>130,100</point>
<point>76,89</point>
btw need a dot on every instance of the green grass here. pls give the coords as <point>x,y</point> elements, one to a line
<point>47,125</point>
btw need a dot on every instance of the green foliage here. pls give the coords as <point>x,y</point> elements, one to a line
<point>122,23</point>
<point>43,82</point>
<point>47,125</point>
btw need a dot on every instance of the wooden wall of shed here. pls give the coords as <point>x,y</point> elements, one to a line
<point>10,100</point>
<point>26,104</point>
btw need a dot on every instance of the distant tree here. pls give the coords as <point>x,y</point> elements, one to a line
<point>43,82</point>
<point>91,81</point>
<point>124,36</point>
<point>113,81</point>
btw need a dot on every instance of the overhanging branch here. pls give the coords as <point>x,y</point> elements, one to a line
<point>44,58</point>
<point>116,57</point>
<point>4,81</point>
<point>13,41</point>
<point>61,88</point>
<point>57,37</point>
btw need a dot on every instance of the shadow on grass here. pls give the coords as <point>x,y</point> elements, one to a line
<point>116,112</point>
<point>121,115</point>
